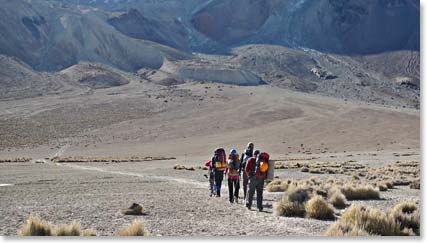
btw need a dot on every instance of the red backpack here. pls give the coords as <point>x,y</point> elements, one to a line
<point>221,164</point>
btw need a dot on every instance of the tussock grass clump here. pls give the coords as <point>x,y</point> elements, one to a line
<point>415,184</point>
<point>137,228</point>
<point>183,167</point>
<point>289,209</point>
<point>343,228</point>
<point>337,198</point>
<point>278,185</point>
<point>382,187</point>
<point>305,169</point>
<point>35,226</point>
<point>89,232</point>
<point>365,192</point>
<point>408,215</point>
<point>38,227</point>
<point>72,229</point>
<point>372,221</point>
<point>318,208</point>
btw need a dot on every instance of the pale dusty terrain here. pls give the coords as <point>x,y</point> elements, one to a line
<point>135,120</point>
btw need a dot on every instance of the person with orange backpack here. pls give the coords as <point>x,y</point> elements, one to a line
<point>256,169</point>
<point>233,171</point>
<point>219,164</point>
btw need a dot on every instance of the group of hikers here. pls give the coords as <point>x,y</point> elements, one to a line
<point>252,165</point>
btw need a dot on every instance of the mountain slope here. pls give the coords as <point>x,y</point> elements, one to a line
<point>48,37</point>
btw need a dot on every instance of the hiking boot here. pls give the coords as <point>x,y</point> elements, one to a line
<point>236,199</point>
<point>260,209</point>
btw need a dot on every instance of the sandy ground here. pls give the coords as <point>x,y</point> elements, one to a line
<point>187,122</point>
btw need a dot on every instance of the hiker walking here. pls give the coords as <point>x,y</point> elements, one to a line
<point>256,169</point>
<point>211,177</point>
<point>219,165</point>
<point>249,152</point>
<point>233,171</point>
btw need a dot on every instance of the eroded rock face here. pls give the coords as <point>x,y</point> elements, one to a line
<point>338,26</point>
<point>230,21</point>
<point>134,24</point>
<point>357,26</point>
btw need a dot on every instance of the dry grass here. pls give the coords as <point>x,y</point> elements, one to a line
<point>81,159</point>
<point>278,185</point>
<point>89,232</point>
<point>415,184</point>
<point>343,228</point>
<point>372,221</point>
<point>183,167</point>
<point>289,209</point>
<point>337,199</point>
<point>15,160</point>
<point>137,228</point>
<point>72,229</point>
<point>35,226</point>
<point>408,215</point>
<point>318,208</point>
<point>360,192</point>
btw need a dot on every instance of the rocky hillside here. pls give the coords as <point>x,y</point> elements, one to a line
<point>48,37</point>
<point>339,26</point>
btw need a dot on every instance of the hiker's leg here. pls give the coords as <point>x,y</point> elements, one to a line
<point>251,192</point>
<point>245,185</point>
<point>259,192</point>
<point>218,182</point>
<point>237,188</point>
<point>230,190</point>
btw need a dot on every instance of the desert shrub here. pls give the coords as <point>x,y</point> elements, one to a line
<point>37,227</point>
<point>34,226</point>
<point>372,221</point>
<point>316,171</point>
<point>134,209</point>
<point>277,186</point>
<point>137,228</point>
<point>89,232</point>
<point>289,209</point>
<point>360,192</point>
<point>382,187</point>
<point>305,169</point>
<point>343,228</point>
<point>408,215</point>
<point>72,229</point>
<point>415,184</point>
<point>318,208</point>
<point>298,194</point>
<point>337,198</point>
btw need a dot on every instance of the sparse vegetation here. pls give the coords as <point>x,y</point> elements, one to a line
<point>81,159</point>
<point>359,220</point>
<point>360,192</point>
<point>35,226</point>
<point>137,228</point>
<point>318,208</point>
<point>183,167</point>
<point>15,160</point>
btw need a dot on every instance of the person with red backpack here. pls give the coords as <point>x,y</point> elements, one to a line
<point>233,171</point>
<point>219,164</point>
<point>256,169</point>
